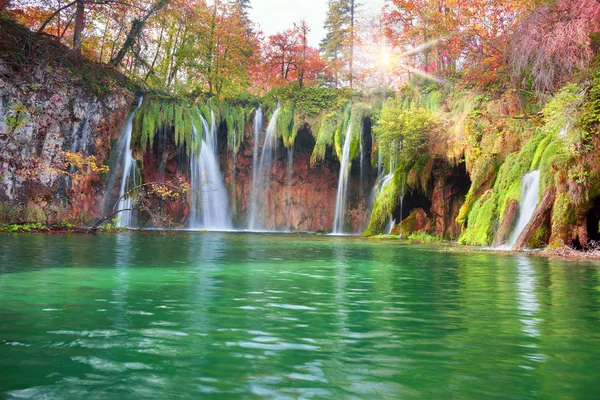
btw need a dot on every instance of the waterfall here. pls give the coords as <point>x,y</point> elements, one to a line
<point>129,179</point>
<point>210,206</point>
<point>261,172</point>
<point>530,187</point>
<point>234,158</point>
<point>391,224</point>
<point>290,175</point>
<point>361,166</point>
<point>342,192</point>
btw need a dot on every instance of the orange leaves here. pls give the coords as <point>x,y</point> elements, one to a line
<point>74,165</point>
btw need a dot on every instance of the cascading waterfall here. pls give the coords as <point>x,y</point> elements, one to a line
<point>129,179</point>
<point>530,187</point>
<point>210,205</point>
<point>290,175</point>
<point>391,224</point>
<point>361,166</point>
<point>261,172</point>
<point>340,200</point>
<point>257,128</point>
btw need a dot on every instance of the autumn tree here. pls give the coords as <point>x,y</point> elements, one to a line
<point>553,42</point>
<point>288,58</point>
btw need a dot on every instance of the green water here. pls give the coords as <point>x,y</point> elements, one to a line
<point>205,315</point>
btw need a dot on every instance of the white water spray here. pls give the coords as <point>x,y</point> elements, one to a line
<point>530,187</point>
<point>261,174</point>
<point>129,179</point>
<point>342,192</point>
<point>210,205</point>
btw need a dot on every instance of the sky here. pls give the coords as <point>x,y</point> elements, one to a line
<point>277,15</point>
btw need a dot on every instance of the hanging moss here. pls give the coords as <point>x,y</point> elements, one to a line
<point>384,206</point>
<point>324,133</point>
<point>481,221</point>
<point>340,131</point>
<point>172,116</point>
<point>285,124</point>
<point>358,113</point>
<point>236,125</point>
<point>419,175</point>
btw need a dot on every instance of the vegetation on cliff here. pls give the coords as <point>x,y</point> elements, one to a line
<point>492,103</point>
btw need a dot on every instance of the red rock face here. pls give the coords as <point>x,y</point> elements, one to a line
<point>308,203</point>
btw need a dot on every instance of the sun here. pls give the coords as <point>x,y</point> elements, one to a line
<point>385,58</point>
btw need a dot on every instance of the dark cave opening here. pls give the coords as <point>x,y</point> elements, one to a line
<point>305,142</point>
<point>593,221</point>
<point>412,200</point>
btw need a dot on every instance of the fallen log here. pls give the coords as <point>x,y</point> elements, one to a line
<point>540,214</point>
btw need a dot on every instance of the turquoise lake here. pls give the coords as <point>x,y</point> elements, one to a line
<point>187,315</point>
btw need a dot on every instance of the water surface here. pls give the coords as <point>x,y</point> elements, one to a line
<point>226,315</point>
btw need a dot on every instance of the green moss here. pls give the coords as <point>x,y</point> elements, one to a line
<point>285,124</point>
<point>236,125</point>
<point>535,163</point>
<point>485,214</point>
<point>481,221</point>
<point>324,133</point>
<point>170,115</point>
<point>385,203</point>
<point>562,217</point>
<point>422,237</point>
<point>483,174</point>
<point>382,236</point>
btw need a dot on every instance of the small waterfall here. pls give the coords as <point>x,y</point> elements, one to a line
<point>234,158</point>
<point>340,200</point>
<point>290,175</point>
<point>210,206</point>
<point>391,224</point>
<point>530,187</point>
<point>129,179</point>
<point>261,172</point>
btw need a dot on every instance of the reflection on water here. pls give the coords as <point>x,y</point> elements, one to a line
<point>189,315</point>
<point>528,304</point>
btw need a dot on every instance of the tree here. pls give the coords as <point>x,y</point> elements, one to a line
<point>338,44</point>
<point>149,198</point>
<point>402,133</point>
<point>137,26</point>
<point>553,42</point>
<point>289,58</point>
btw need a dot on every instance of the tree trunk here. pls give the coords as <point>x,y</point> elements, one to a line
<point>537,219</point>
<point>79,24</point>
<point>351,44</point>
<point>137,26</point>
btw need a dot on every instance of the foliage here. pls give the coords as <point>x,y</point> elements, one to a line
<point>28,227</point>
<point>170,115</point>
<point>385,203</point>
<point>403,133</point>
<point>553,42</point>
<point>423,237</point>
<point>149,198</point>
<point>285,124</point>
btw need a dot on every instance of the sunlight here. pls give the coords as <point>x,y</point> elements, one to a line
<point>385,58</point>
<point>388,61</point>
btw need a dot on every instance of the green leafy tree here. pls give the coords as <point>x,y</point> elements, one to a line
<point>402,133</point>
<point>338,44</point>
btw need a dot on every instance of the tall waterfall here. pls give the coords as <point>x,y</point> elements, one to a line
<point>530,187</point>
<point>210,206</point>
<point>342,192</point>
<point>129,179</point>
<point>261,173</point>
